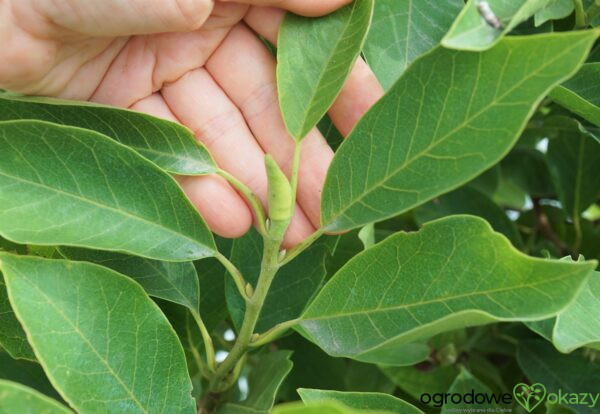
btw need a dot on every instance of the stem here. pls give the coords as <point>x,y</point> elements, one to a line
<point>236,275</point>
<point>273,333</point>
<point>269,268</point>
<point>252,199</point>
<point>197,358</point>
<point>208,343</point>
<point>580,18</point>
<point>228,370</point>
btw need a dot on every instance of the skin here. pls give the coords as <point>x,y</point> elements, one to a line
<point>196,62</point>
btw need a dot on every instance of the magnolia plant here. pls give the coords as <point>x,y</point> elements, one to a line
<point>436,270</point>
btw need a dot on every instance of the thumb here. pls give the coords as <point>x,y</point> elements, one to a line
<point>126,17</point>
<point>304,7</point>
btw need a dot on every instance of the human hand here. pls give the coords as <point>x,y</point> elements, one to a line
<point>197,62</point>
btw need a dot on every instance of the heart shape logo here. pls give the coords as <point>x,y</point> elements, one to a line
<point>529,396</point>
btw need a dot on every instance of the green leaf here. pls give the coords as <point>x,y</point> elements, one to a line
<point>362,377</point>
<point>310,78</point>
<point>416,381</point>
<point>471,31</point>
<point>581,93</point>
<point>455,272</point>
<point>463,384</point>
<point>172,281</point>
<point>12,336</point>
<point>169,145</point>
<point>27,373</point>
<point>94,192</point>
<point>313,368</point>
<point>449,118</point>
<point>329,407</point>
<point>574,327</point>
<point>468,200</point>
<point>360,400</point>
<point>403,30</point>
<point>527,168</point>
<point>103,343</point>
<point>17,398</point>
<point>570,373</point>
<point>554,10</point>
<point>573,158</point>
<point>265,380</point>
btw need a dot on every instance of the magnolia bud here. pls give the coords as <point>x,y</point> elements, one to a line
<point>280,198</point>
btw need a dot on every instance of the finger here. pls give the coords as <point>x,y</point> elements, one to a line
<point>304,7</point>
<point>246,71</point>
<point>221,206</point>
<point>360,91</point>
<point>118,17</point>
<point>200,104</point>
<point>147,62</point>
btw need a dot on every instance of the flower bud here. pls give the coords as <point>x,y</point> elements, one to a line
<point>280,197</point>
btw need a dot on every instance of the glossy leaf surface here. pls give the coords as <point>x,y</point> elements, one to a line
<point>103,343</point>
<point>310,78</point>
<point>455,272</point>
<point>167,144</point>
<point>94,193</point>
<point>422,140</point>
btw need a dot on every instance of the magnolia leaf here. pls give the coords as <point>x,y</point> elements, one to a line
<point>455,272</point>
<point>474,28</point>
<point>169,145</point>
<point>328,407</point>
<point>12,336</point>
<point>172,281</point>
<point>417,382</point>
<point>93,192</point>
<point>450,117</point>
<point>310,78</point>
<point>464,384</point>
<point>574,373</point>
<point>581,93</point>
<point>579,324</point>
<point>360,400</point>
<point>467,200</point>
<point>17,398</point>
<point>265,380</point>
<point>527,168</point>
<point>554,10</point>
<point>102,341</point>
<point>403,30</point>
<point>573,158</point>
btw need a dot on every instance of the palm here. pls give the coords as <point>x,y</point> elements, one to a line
<point>219,81</point>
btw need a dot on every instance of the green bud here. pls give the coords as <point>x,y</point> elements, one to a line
<point>280,193</point>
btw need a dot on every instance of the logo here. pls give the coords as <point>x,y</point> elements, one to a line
<point>529,396</point>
